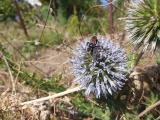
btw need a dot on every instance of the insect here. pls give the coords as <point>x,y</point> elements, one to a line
<point>94,48</point>
<point>92,44</point>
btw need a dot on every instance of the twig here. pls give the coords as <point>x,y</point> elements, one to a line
<point>53,96</point>
<point>19,70</point>
<point>5,92</point>
<point>149,109</point>
<point>138,58</point>
<point>46,20</point>
<point>42,62</point>
<point>110,20</point>
<point>21,19</point>
<point>158,118</point>
<point>50,27</point>
<point>10,73</point>
<point>141,91</point>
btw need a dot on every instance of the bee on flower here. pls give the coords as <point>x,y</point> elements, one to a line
<point>99,66</point>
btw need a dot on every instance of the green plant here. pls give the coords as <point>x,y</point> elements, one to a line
<point>131,60</point>
<point>44,11</point>
<point>158,59</point>
<point>93,25</point>
<point>143,24</point>
<point>6,9</point>
<point>90,108</point>
<point>9,11</point>
<point>49,85</point>
<point>67,8</point>
<point>73,25</point>
<point>28,49</point>
<point>52,38</point>
<point>151,100</point>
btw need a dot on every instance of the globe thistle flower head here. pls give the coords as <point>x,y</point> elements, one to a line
<point>99,66</point>
<point>143,24</point>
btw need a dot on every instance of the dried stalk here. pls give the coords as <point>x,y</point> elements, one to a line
<point>110,18</point>
<point>48,13</point>
<point>10,73</point>
<point>21,18</point>
<point>138,58</point>
<point>149,109</point>
<point>41,25</point>
<point>54,96</point>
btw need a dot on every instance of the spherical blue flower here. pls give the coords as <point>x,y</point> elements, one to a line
<point>99,66</point>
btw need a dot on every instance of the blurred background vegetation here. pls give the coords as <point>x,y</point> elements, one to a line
<point>36,42</point>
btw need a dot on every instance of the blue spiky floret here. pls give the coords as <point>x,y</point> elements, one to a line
<point>102,71</point>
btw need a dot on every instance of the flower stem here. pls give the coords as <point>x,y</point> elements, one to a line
<point>53,96</point>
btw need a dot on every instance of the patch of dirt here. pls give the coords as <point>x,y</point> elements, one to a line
<point>54,61</point>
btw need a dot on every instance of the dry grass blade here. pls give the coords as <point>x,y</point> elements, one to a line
<point>53,96</point>
<point>10,73</point>
<point>149,109</point>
